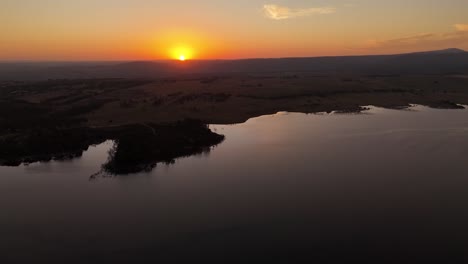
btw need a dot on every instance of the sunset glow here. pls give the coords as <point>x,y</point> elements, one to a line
<point>208,29</point>
<point>181,53</point>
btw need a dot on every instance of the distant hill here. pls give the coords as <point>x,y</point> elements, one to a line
<point>429,62</point>
<point>444,51</point>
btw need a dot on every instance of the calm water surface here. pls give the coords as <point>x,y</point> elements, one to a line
<point>385,186</point>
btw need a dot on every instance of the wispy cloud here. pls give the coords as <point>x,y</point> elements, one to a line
<point>457,37</point>
<point>277,12</point>
<point>461,27</point>
<point>408,40</point>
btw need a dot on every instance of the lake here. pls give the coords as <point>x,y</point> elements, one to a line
<point>384,186</point>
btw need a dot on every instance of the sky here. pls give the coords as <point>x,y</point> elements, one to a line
<point>59,30</point>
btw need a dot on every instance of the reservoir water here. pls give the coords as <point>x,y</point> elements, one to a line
<point>384,186</point>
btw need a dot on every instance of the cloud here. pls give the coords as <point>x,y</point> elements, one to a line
<point>408,40</point>
<point>277,12</point>
<point>461,27</point>
<point>456,38</point>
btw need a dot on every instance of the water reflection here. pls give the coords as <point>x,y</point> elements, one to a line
<point>385,187</point>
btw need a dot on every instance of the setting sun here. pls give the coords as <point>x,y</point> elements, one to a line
<point>181,52</point>
<point>193,44</point>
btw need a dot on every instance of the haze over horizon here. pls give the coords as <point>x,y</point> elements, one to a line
<point>54,30</point>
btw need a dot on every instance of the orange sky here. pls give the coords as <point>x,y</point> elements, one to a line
<point>213,29</point>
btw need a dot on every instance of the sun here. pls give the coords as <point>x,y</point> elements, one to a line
<point>181,52</point>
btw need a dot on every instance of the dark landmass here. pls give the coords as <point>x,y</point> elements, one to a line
<point>449,61</point>
<point>141,148</point>
<point>137,147</point>
<point>49,119</point>
<point>43,145</point>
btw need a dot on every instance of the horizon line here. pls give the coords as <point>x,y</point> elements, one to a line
<point>221,59</point>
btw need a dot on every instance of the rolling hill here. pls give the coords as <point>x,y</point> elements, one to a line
<point>448,61</point>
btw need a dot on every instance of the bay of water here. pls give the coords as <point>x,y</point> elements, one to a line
<point>384,186</point>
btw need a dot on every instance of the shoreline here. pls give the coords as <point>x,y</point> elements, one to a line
<point>58,119</point>
<point>140,147</point>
